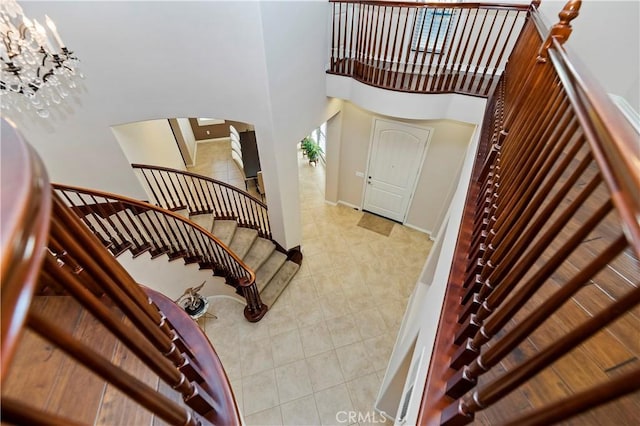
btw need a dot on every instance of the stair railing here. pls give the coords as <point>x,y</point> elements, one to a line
<point>177,190</point>
<point>122,223</point>
<point>76,266</point>
<point>550,230</point>
<point>424,47</point>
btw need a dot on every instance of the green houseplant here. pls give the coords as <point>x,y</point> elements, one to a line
<point>305,144</point>
<point>313,152</point>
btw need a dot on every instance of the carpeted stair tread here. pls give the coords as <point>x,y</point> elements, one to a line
<point>259,253</point>
<point>242,241</point>
<point>278,283</point>
<point>182,212</point>
<point>269,268</point>
<point>205,220</point>
<point>224,230</point>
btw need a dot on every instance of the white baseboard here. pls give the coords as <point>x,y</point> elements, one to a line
<point>331,203</point>
<point>425,231</point>
<point>344,203</point>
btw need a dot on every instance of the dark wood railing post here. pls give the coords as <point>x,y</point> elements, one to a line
<point>255,309</point>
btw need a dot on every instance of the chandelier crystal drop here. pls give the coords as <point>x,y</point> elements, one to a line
<point>36,74</point>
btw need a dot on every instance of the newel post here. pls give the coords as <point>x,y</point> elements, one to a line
<point>562,30</point>
<point>255,309</point>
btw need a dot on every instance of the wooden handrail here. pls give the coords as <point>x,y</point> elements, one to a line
<point>26,206</point>
<point>202,247</point>
<point>186,190</point>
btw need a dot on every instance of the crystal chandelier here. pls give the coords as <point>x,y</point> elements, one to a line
<point>35,74</point>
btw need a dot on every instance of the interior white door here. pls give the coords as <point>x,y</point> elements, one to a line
<point>397,154</point>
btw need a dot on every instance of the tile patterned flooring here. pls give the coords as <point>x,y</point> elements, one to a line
<point>322,349</point>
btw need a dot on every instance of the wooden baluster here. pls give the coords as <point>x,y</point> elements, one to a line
<point>428,77</point>
<point>64,260</point>
<point>500,289</point>
<point>105,242</point>
<point>199,192</point>
<point>515,162</point>
<point>360,41</point>
<point>484,48</point>
<point>462,411</point>
<point>104,214</point>
<point>113,276</point>
<point>155,402</point>
<point>409,44</point>
<point>509,257</point>
<point>382,57</point>
<point>187,194</point>
<point>528,33</point>
<point>444,77</point>
<point>208,196</point>
<point>161,247</point>
<point>340,57</point>
<point>416,50</point>
<point>531,176</point>
<point>437,73</point>
<point>466,378</point>
<point>135,221</point>
<point>501,54</point>
<point>375,12</point>
<point>164,201</point>
<point>333,63</point>
<point>351,10</point>
<point>179,203</point>
<point>131,337</point>
<point>151,187</point>
<point>453,77</point>
<point>475,46</point>
<point>425,52</point>
<point>111,211</point>
<point>507,234</point>
<point>218,205</point>
<point>393,60</point>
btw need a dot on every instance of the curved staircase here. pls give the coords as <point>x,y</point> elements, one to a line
<point>272,267</point>
<point>254,265</point>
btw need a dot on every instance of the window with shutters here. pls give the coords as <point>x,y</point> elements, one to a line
<point>432,29</point>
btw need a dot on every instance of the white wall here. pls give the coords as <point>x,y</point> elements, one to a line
<point>295,58</point>
<point>243,61</point>
<point>149,142</point>
<point>147,60</point>
<point>606,37</point>
<point>438,179</point>
<point>189,137</point>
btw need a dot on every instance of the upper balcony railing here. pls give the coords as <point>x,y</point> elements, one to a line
<point>424,47</point>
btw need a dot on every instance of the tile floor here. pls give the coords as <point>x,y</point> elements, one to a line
<point>322,349</point>
<point>213,159</point>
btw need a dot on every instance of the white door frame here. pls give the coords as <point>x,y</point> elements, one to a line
<point>422,160</point>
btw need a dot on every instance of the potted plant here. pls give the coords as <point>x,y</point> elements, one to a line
<point>305,144</point>
<point>313,152</point>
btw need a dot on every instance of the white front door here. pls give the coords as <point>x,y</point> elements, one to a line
<point>397,154</point>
